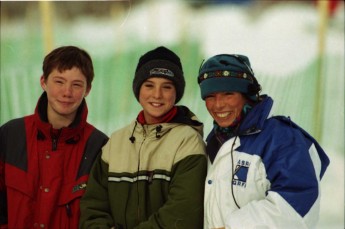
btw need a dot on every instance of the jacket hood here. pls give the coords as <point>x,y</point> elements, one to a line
<point>187,117</point>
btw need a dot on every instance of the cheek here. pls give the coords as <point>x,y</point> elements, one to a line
<point>239,105</point>
<point>209,107</point>
<point>80,95</point>
<point>173,98</point>
<point>53,91</point>
<point>170,97</point>
<point>142,93</point>
<point>208,104</point>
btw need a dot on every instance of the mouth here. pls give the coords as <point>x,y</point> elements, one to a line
<point>224,114</point>
<point>66,103</point>
<point>156,104</point>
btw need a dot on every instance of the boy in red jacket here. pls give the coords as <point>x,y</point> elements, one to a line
<point>45,158</point>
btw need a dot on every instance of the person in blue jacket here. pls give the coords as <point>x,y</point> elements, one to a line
<point>263,171</point>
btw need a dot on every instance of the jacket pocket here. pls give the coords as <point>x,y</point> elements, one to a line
<point>68,204</point>
<point>71,191</point>
<point>21,181</point>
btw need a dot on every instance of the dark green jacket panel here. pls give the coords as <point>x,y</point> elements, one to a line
<point>186,210</point>
<point>98,211</point>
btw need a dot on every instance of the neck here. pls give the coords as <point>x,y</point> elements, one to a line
<point>60,121</point>
<point>164,119</point>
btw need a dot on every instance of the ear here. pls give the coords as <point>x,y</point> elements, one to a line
<point>88,89</point>
<point>43,83</point>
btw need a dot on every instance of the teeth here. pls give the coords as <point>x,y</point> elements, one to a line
<point>223,115</point>
<point>156,104</point>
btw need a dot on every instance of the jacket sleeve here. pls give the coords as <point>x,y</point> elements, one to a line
<point>3,198</point>
<point>184,207</point>
<point>293,169</point>
<point>94,205</point>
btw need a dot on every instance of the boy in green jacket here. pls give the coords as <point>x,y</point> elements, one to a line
<point>151,173</point>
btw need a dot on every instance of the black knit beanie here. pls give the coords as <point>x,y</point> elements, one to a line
<point>160,62</point>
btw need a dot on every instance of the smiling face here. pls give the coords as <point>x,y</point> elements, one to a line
<point>224,107</point>
<point>65,91</point>
<point>157,96</point>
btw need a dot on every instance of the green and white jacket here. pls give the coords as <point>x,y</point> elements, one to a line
<point>149,176</point>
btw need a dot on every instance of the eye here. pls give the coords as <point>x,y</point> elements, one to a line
<point>168,86</point>
<point>148,85</point>
<point>210,96</point>
<point>77,85</point>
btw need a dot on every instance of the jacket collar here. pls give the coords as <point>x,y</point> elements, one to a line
<point>67,133</point>
<point>254,121</point>
<point>183,117</point>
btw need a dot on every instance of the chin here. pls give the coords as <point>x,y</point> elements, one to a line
<point>223,124</point>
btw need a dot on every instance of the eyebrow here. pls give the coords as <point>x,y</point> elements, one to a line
<point>63,78</point>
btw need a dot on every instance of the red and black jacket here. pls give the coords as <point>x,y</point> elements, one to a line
<point>43,172</point>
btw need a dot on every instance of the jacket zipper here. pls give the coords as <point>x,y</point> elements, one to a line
<point>138,194</point>
<point>54,147</point>
<point>55,138</point>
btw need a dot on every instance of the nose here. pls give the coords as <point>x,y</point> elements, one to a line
<point>219,101</point>
<point>157,93</point>
<point>67,90</point>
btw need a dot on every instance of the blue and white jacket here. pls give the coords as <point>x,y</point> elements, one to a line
<point>266,177</point>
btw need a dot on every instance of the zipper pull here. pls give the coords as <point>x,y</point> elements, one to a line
<point>54,145</point>
<point>55,136</point>
<point>68,211</point>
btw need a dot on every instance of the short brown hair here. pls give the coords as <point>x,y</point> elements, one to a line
<point>67,57</point>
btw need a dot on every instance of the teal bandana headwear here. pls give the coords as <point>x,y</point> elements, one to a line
<point>228,73</point>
